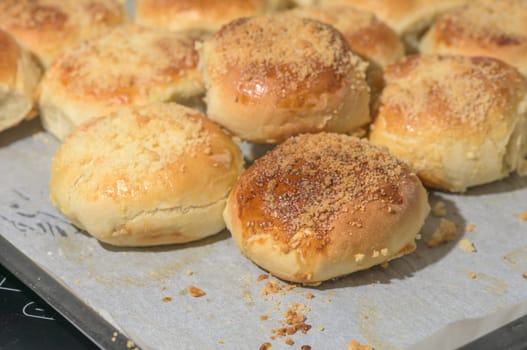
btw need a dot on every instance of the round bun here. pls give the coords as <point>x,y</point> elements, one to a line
<point>319,206</point>
<point>202,15</point>
<point>272,77</point>
<point>483,28</point>
<point>19,76</point>
<point>458,121</point>
<point>47,27</point>
<point>157,174</point>
<point>129,65</point>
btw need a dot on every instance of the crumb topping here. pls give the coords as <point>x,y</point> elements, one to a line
<point>470,227</point>
<point>135,62</point>
<point>452,94</point>
<point>303,184</point>
<point>287,48</point>
<point>445,232</point>
<point>522,216</point>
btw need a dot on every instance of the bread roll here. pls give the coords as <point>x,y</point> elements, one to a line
<point>458,121</point>
<point>366,35</point>
<point>200,15</point>
<point>483,28</point>
<point>47,27</point>
<point>149,175</point>
<point>409,18</point>
<point>269,78</point>
<point>129,65</point>
<point>319,206</point>
<point>19,76</point>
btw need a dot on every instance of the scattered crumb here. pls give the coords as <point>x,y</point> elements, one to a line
<point>467,245</point>
<point>385,264</point>
<point>272,287</point>
<point>294,321</point>
<point>524,275</point>
<point>289,287</point>
<point>522,216</point>
<point>167,299</point>
<point>355,345</point>
<point>221,341</point>
<point>305,347</point>
<point>309,295</point>
<point>196,292</point>
<point>472,275</point>
<point>189,272</point>
<point>320,328</point>
<point>163,289</point>
<point>262,277</point>
<point>289,341</point>
<point>265,346</point>
<point>77,281</point>
<point>130,344</point>
<point>445,232</point>
<point>470,227</point>
<point>439,209</point>
<point>264,317</point>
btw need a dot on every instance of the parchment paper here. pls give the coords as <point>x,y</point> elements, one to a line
<point>396,307</point>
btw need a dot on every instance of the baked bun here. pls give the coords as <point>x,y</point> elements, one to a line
<point>157,174</point>
<point>272,77</point>
<point>409,18</point>
<point>130,65</point>
<point>458,121</point>
<point>319,206</point>
<point>201,15</point>
<point>19,76</point>
<point>366,35</point>
<point>483,28</point>
<point>47,27</point>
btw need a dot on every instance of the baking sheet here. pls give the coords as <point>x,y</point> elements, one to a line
<point>143,291</point>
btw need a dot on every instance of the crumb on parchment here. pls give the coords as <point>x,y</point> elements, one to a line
<point>195,291</point>
<point>445,232</point>
<point>470,227</point>
<point>265,346</point>
<point>439,209</point>
<point>522,216</point>
<point>472,275</point>
<point>466,245</point>
<point>355,345</point>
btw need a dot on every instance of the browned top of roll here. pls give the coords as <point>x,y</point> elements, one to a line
<point>128,65</point>
<point>46,27</point>
<point>10,52</point>
<point>366,35</point>
<point>449,96</point>
<point>309,180</point>
<point>259,48</point>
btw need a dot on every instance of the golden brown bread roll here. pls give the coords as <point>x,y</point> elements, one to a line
<point>495,28</point>
<point>201,15</point>
<point>272,77</point>
<point>458,121</point>
<point>19,76</point>
<point>409,18</point>
<point>149,175</point>
<point>47,27</point>
<point>319,206</point>
<point>129,65</point>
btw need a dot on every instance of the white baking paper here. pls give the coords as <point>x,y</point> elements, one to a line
<point>396,307</point>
